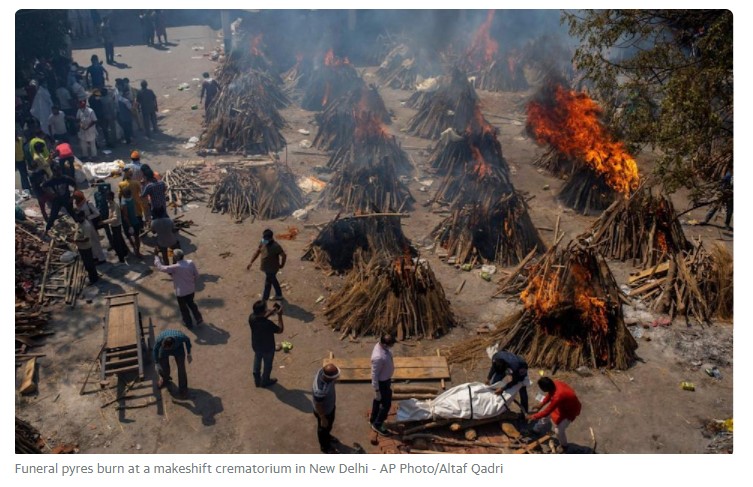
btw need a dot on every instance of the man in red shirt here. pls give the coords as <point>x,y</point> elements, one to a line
<point>561,404</point>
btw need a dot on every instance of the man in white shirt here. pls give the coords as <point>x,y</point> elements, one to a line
<point>88,134</point>
<point>56,124</point>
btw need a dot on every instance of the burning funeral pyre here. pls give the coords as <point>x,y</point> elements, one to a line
<point>338,241</point>
<point>489,220</point>
<point>332,80</point>
<point>366,171</point>
<point>572,316</point>
<point>452,105</point>
<point>599,167</point>
<point>337,122</point>
<point>404,67</point>
<point>390,293</point>
<point>245,118</point>
<point>265,190</point>
<point>487,67</point>
<point>643,228</point>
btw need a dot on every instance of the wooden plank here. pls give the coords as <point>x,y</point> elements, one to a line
<point>120,329</point>
<point>646,287</point>
<point>406,368</point>
<point>656,270</point>
<point>29,385</point>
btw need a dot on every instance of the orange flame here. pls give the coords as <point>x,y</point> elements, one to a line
<point>331,60</point>
<point>255,43</point>
<point>483,47</point>
<point>368,125</point>
<point>572,127</point>
<point>325,98</point>
<point>481,168</point>
<point>661,241</point>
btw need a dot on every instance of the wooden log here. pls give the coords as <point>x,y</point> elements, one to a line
<point>29,383</point>
<point>405,389</point>
<point>531,446</point>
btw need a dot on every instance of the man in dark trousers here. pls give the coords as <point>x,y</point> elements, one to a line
<point>167,235</point>
<point>105,30</point>
<point>325,403</point>
<point>272,260</point>
<point>263,332</point>
<point>561,404</point>
<point>172,343</point>
<point>209,90</point>
<point>84,245</point>
<point>148,102</point>
<point>185,275</point>
<point>726,198</point>
<point>382,368</point>
<point>60,186</point>
<point>504,362</point>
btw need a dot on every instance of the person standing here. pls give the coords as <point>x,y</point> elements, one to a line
<point>66,159</point>
<point>184,274</point>
<point>115,222</point>
<point>176,344</point>
<point>156,190</point>
<point>726,198</point>
<point>148,103</point>
<point>40,158</point>
<point>263,332</point>
<point>382,368</point>
<point>56,125</point>
<point>94,216</point>
<point>562,406</point>
<point>60,186</point>
<point>272,260</point>
<point>43,195</point>
<point>23,170</point>
<point>109,117</point>
<point>105,31</point>
<point>504,362</point>
<point>132,220</point>
<point>159,26</point>
<point>325,404</point>
<point>83,243</point>
<point>167,238</point>
<point>96,74</point>
<point>87,134</point>
<point>147,28</point>
<point>209,90</point>
<point>125,117</point>
<point>41,106</point>
<point>135,166</point>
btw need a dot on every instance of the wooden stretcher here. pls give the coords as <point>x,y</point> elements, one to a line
<point>123,350</point>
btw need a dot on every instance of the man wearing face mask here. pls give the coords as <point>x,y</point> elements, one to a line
<point>272,260</point>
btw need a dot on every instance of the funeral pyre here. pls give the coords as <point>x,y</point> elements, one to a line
<point>330,81</point>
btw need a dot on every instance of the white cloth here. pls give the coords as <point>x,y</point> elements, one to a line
<point>86,116</point>
<point>58,123</point>
<point>41,108</point>
<point>473,400</point>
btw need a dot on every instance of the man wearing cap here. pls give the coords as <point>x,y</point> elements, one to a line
<point>87,134</point>
<point>382,368</point>
<point>263,332</point>
<point>185,275</point>
<point>172,343</point>
<point>272,260</point>
<point>324,400</point>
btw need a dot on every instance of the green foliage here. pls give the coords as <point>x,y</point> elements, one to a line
<point>39,33</point>
<point>668,76</point>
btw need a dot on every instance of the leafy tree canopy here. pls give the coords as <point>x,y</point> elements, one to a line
<point>670,72</point>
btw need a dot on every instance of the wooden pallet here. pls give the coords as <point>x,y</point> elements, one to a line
<point>406,368</point>
<point>123,350</point>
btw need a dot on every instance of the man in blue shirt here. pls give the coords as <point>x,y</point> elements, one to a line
<point>96,74</point>
<point>167,343</point>
<point>325,399</point>
<point>504,362</point>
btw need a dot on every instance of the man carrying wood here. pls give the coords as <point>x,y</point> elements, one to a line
<point>263,333</point>
<point>382,368</point>
<point>324,400</point>
<point>272,260</point>
<point>504,362</point>
<point>167,343</point>
<point>563,407</point>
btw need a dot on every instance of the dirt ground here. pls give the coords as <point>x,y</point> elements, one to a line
<point>641,410</point>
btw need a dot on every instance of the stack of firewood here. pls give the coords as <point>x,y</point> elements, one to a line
<point>337,122</point>
<point>395,294</point>
<point>572,316</point>
<point>267,190</point>
<point>185,184</point>
<point>504,73</point>
<point>329,82</point>
<point>338,241</point>
<point>453,105</point>
<point>298,77</point>
<point>28,439</point>
<point>244,118</point>
<point>693,284</point>
<point>643,228</point>
<point>403,67</point>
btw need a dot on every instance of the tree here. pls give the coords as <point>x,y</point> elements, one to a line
<point>39,34</point>
<point>669,72</point>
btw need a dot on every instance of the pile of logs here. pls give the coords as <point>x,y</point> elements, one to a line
<point>328,83</point>
<point>32,261</point>
<point>694,284</point>
<point>388,293</point>
<point>500,233</point>
<point>28,439</point>
<point>587,191</point>
<point>505,73</point>
<point>403,67</point>
<point>31,323</point>
<point>337,122</point>
<point>186,184</point>
<point>263,190</point>
<point>337,242</point>
<point>244,118</point>
<point>643,228</point>
<point>572,316</point>
<point>453,105</point>
<point>299,76</point>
